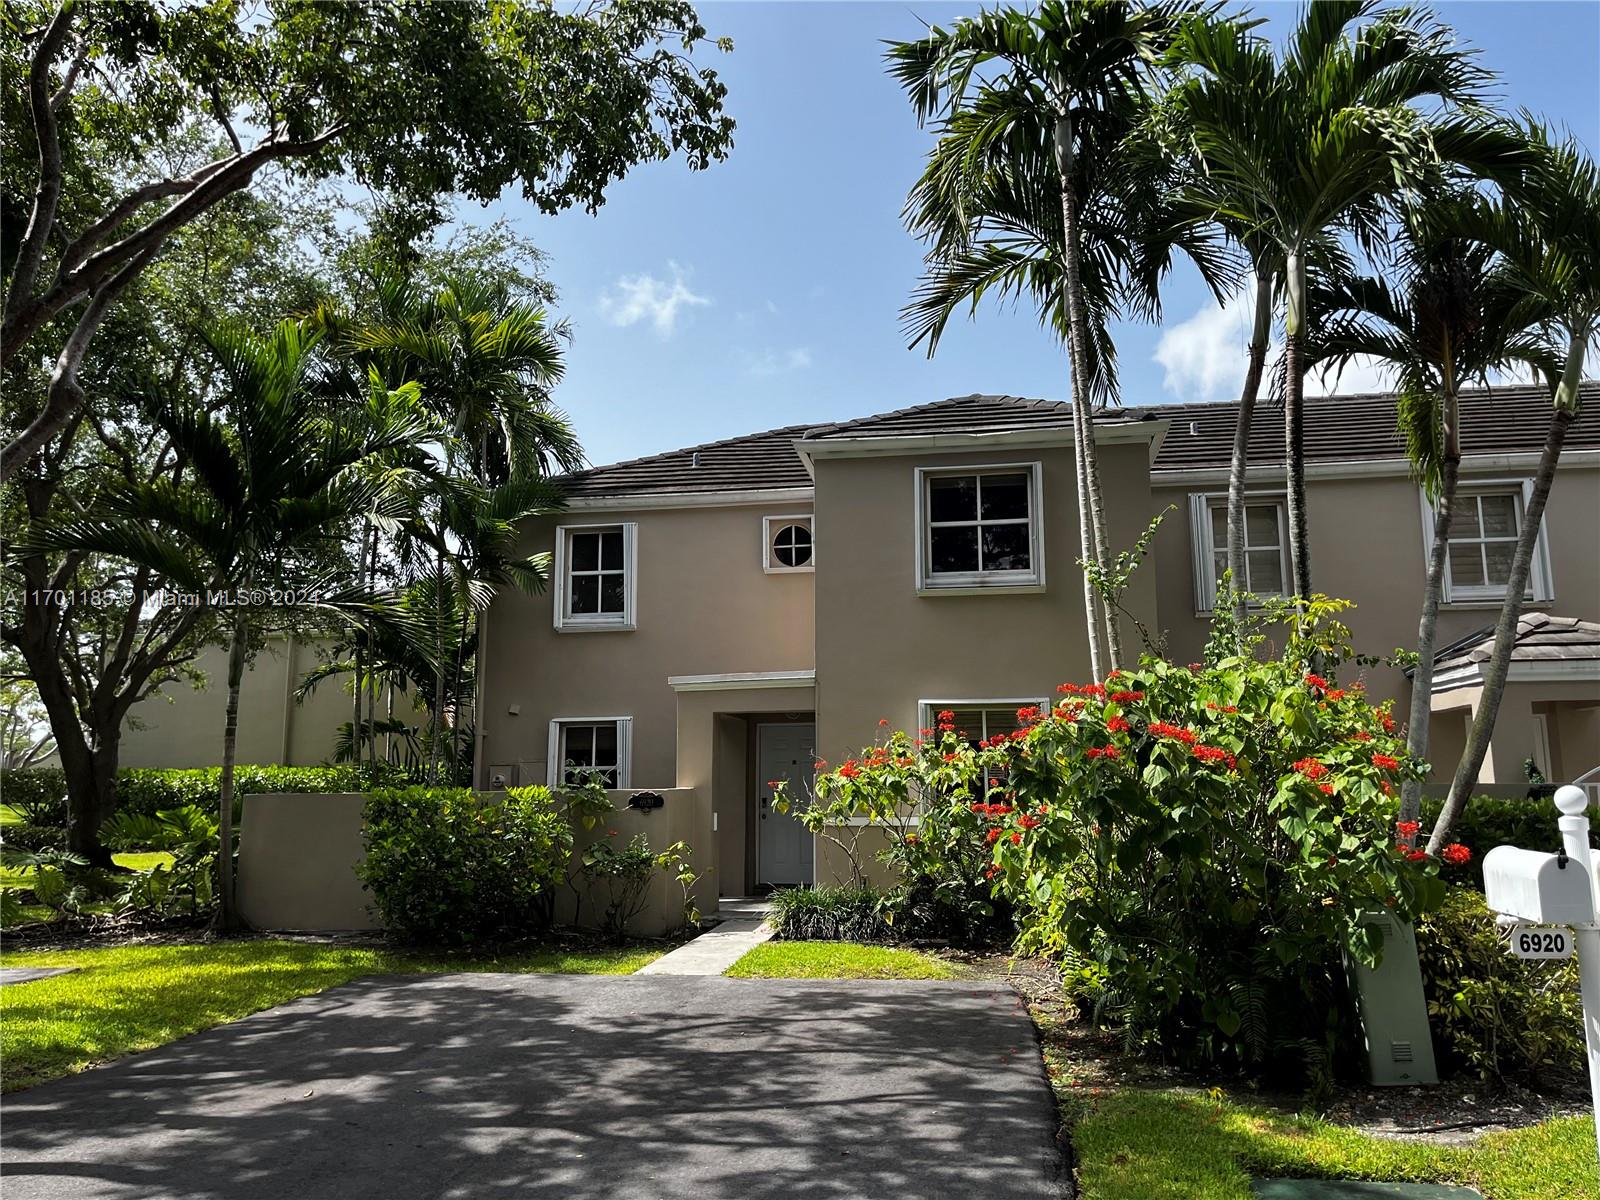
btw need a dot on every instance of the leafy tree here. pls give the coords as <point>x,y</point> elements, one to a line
<point>1447,321</point>
<point>1314,142</point>
<point>276,475</point>
<point>1547,232</point>
<point>1025,194</point>
<point>25,737</point>
<point>417,100</point>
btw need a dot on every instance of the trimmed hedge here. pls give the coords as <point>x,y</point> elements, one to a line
<point>148,790</point>
<point>1490,821</point>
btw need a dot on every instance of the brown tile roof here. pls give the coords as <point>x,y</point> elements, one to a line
<point>1502,420</point>
<point>1338,428</point>
<point>1540,638</point>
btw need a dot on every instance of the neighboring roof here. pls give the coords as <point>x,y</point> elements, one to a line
<point>1503,420</point>
<point>1540,638</point>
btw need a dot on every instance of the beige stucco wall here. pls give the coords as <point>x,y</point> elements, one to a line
<point>882,647</point>
<point>704,606</point>
<point>182,726</point>
<point>1357,524</point>
<point>289,879</point>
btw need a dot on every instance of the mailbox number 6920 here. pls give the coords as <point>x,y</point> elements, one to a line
<point>1541,941</point>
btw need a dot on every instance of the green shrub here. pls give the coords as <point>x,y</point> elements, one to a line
<point>1490,821</point>
<point>830,914</point>
<point>1492,1013</point>
<point>34,837</point>
<point>39,794</point>
<point>446,866</point>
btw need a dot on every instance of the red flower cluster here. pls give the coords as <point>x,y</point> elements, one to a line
<point>952,756</point>
<point>1384,762</point>
<point>1102,752</point>
<point>849,770</point>
<point>1316,682</point>
<point>1162,729</point>
<point>1227,708</point>
<point>1214,754</point>
<point>1407,829</point>
<point>1028,821</point>
<point>1118,724</point>
<point>1361,735</point>
<point>1311,768</point>
<point>1125,697</point>
<point>1386,721</point>
<point>1325,788</point>
<point>993,835</point>
<point>1028,715</point>
<point>1413,855</point>
<point>1336,694</point>
<point>994,811</point>
<point>1456,854</point>
<point>820,765</point>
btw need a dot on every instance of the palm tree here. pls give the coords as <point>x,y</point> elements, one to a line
<point>1449,322</point>
<point>1299,147</point>
<point>278,476</point>
<point>1029,108</point>
<point>1547,232</point>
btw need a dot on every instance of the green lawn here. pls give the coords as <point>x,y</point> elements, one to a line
<point>135,860</point>
<point>138,997</point>
<point>9,815</point>
<point>1167,1145</point>
<point>839,960</point>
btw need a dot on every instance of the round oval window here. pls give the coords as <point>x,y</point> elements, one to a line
<point>791,547</point>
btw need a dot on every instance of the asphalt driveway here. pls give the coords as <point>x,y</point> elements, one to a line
<point>630,1088</point>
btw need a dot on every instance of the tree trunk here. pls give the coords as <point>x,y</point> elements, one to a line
<point>437,737</point>
<point>1417,721</point>
<point>1294,424</point>
<point>1091,537</point>
<point>1505,635</point>
<point>372,683</point>
<point>230,737</point>
<point>1238,468</point>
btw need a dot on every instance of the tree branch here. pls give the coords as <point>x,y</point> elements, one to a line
<point>47,195</point>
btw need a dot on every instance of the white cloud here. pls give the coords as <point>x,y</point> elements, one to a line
<point>776,362</point>
<point>1363,374</point>
<point>1204,356</point>
<point>637,298</point>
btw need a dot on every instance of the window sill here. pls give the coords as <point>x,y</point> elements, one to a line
<point>596,627</point>
<point>790,570</point>
<point>1468,603</point>
<point>979,589</point>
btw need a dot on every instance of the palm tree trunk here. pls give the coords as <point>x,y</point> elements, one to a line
<point>371,571</point>
<point>1294,424</point>
<point>1505,634</point>
<point>1417,721</point>
<point>230,739</point>
<point>1088,471</point>
<point>1238,468</point>
<point>437,737</point>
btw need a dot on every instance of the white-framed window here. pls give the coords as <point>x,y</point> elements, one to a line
<point>596,569</point>
<point>1266,545</point>
<point>979,527</point>
<point>787,545</point>
<point>978,720</point>
<point>1485,524</point>
<point>580,744</point>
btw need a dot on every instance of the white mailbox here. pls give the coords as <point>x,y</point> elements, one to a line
<point>1536,887</point>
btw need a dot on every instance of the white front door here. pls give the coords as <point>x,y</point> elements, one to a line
<point>784,847</point>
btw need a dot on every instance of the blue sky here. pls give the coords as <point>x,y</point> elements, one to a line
<point>766,290</point>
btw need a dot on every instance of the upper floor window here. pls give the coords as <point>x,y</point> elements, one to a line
<point>1485,524</point>
<point>584,746</point>
<point>1266,546</point>
<point>788,542</point>
<point>595,569</point>
<point>979,527</point>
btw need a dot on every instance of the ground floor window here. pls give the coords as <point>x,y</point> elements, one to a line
<point>979,720</point>
<point>581,745</point>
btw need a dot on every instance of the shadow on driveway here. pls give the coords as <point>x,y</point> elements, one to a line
<point>630,1088</point>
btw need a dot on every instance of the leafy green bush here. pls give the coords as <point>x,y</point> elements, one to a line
<point>189,884</point>
<point>1490,821</point>
<point>34,837</point>
<point>1494,1014</point>
<point>830,914</point>
<point>39,794</point>
<point>446,866</point>
<point>1198,844</point>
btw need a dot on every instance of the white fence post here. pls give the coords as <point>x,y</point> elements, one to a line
<point>1573,804</point>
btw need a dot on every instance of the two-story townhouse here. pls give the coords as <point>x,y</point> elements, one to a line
<point>722,615</point>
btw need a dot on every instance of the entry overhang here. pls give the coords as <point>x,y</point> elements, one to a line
<point>742,680</point>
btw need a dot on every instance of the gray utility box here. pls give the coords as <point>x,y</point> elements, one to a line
<point>1394,1012</point>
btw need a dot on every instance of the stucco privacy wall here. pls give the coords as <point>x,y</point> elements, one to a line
<point>291,880</point>
<point>704,606</point>
<point>181,725</point>
<point>882,647</point>
<point>1355,523</point>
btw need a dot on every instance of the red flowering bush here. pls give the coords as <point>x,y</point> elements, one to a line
<point>1198,845</point>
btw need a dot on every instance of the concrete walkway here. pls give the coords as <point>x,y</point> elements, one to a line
<point>14,975</point>
<point>565,1087</point>
<point>744,927</point>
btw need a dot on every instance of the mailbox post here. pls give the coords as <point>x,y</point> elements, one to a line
<point>1559,890</point>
